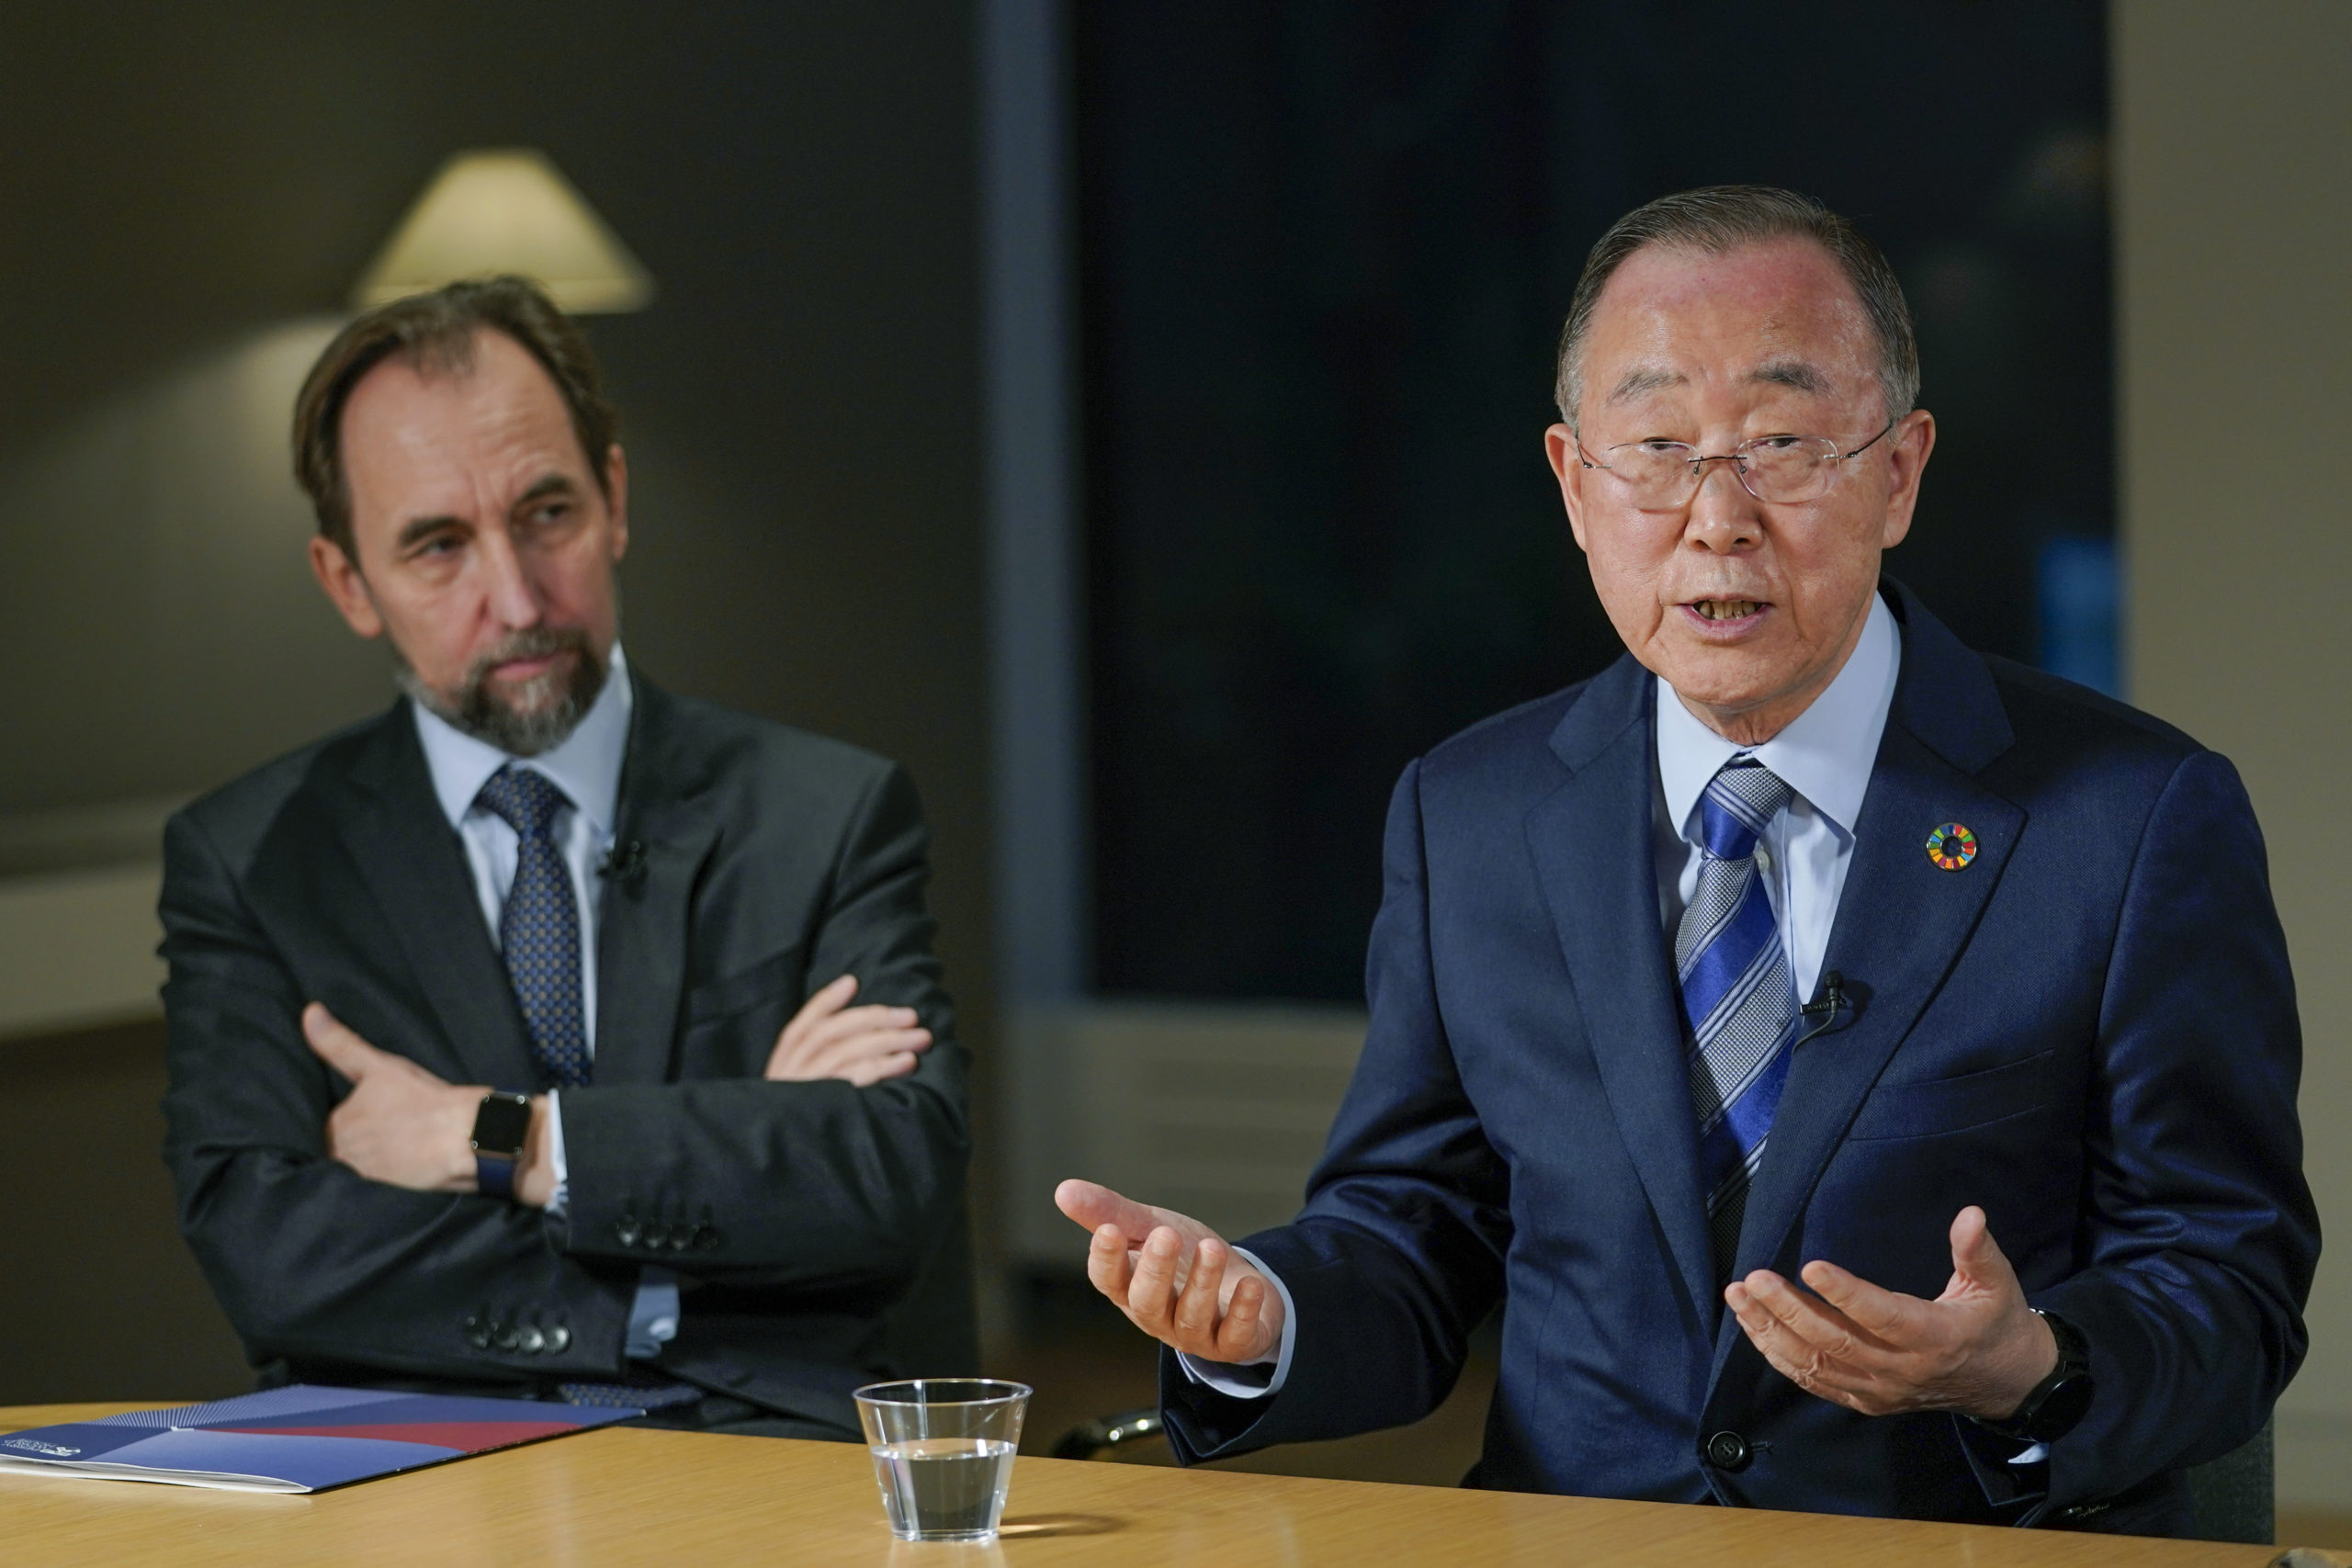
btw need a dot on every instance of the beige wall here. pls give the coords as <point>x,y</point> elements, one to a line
<point>2233,185</point>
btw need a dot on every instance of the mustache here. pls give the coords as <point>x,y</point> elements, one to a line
<point>535,642</point>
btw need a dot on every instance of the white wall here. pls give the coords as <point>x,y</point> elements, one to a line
<point>2234,189</point>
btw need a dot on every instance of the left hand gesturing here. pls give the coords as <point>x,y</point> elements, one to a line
<point>1977,1349</point>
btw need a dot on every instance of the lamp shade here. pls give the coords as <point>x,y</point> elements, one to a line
<point>507,209</point>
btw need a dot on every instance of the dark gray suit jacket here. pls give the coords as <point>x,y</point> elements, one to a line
<point>818,1226</point>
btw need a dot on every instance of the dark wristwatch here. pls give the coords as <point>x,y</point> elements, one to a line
<point>2058,1401</point>
<point>500,1126</point>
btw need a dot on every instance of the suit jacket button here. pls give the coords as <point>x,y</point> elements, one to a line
<point>1726,1450</point>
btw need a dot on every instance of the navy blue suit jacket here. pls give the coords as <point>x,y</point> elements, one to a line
<point>2090,1031</point>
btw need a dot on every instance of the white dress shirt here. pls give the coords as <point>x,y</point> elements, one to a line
<point>1824,756</point>
<point>587,769</point>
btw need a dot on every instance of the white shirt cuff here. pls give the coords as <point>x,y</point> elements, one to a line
<point>652,1313</point>
<point>1249,1380</point>
<point>562,1195</point>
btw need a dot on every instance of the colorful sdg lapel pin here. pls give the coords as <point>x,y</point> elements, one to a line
<point>1952,846</point>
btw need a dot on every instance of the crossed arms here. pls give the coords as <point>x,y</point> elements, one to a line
<point>335,1225</point>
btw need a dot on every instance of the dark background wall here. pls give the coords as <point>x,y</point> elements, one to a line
<point>190,192</point>
<point>1327,250</point>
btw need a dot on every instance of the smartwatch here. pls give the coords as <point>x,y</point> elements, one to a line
<point>2058,1401</point>
<point>499,1128</point>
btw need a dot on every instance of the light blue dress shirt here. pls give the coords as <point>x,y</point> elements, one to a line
<point>1824,756</point>
<point>587,768</point>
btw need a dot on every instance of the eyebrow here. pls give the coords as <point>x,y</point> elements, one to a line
<point>1644,379</point>
<point>1793,373</point>
<point>418,529</point>
<point>552,484</point>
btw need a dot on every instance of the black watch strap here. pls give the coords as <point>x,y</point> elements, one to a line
<point>2058,1402</point>
<point>502,1125</point>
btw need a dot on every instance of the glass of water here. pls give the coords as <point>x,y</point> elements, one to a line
<point>942,1452</point>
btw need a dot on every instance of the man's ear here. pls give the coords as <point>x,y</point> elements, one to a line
<point>617,497</point>
<point>1560,447</point>
<point>1911,440</point>
<point>345,588</point>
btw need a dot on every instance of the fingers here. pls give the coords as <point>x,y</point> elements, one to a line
<point>1977,1257</point>
<point>823,1004</point>
<point>336,1045</point>
<point>875,1069</point>
<point>1196,1314</point>
<point>1093,1206</point>
<point>1151,1290</point>
<point>1238,1338</point>
<point>851,1022</point>
<point>829,1039</point>
<point>1760,1305</point>
<point>825,1001</point>
<point>1884,1315</point>
<point>1171,1293</point>
<point>846,1056</point>
<point>1109,1267</point>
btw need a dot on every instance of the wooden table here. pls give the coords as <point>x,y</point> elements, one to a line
<point>630,1494</point>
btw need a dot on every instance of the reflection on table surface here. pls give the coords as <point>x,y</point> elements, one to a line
<point>630,1494</point>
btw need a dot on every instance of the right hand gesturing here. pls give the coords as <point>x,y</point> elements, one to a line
<point>1176,1280</point>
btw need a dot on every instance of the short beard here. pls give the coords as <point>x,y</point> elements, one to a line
<point>551,706</point>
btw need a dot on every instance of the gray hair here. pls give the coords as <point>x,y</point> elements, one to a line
<point>1714,219</point>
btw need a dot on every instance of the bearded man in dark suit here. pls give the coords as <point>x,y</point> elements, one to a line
<point>549,1034</point>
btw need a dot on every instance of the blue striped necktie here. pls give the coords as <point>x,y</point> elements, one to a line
<point>538,932</point>
<point>1739,999</point>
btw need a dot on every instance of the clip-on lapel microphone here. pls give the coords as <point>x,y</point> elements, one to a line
<point>1835,1008</point>
<point>624,863</point>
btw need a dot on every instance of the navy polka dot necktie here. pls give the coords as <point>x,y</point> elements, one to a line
<point>540,929</point>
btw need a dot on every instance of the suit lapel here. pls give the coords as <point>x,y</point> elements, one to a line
<point>416,869</point>
<point>1592,848</point>
<point>1902,921</point>
<point>667,809</point>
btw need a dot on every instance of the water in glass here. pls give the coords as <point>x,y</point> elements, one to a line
<point>943,1488</point>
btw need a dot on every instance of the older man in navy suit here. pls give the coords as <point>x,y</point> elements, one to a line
<point>1726,1007</point>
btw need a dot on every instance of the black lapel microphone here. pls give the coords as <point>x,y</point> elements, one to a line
<point>1822,1016</point>
<point>624,863</point>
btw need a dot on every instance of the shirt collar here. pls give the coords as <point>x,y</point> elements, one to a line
<point>1825,755</point>
<point>586,767</point>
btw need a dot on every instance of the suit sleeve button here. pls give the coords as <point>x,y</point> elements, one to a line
<point>625,1230</point>
<point>1726,1450</point>
<point>558,1340</point>
<point>532,1340</point>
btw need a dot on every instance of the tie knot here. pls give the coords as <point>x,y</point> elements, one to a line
<point>526,801</point>
<point>1740,802</point>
